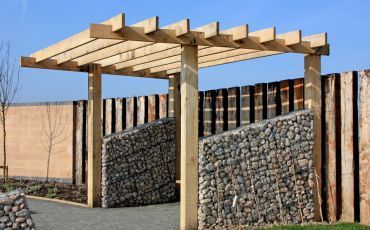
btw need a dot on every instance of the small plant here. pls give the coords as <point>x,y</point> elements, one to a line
<point>32,189</point>
<point>9,187</point>
<point>52,192</point>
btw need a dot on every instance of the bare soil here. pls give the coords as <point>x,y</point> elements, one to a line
<point>56,190</point>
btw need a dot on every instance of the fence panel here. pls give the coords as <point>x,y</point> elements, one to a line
<point>285,95</point>
<point>364,148</point>
<point>221,110</point>
<point>109,120</point>
<point>298,94</point>
<point>163,105</point>
<point>331,142</point>
<point>153,107</point>
<point>247,105</point>
<point>347,81</point>
<point>273,99</point>
<point>200,114</point>
<point>209,112</point>
<point>131,106</point>
<point>233,108</point>
<point>260,100</point>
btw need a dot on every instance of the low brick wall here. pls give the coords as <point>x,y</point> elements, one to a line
<point>258,174</point>
<point>138,165</point>
<point>14,212</point>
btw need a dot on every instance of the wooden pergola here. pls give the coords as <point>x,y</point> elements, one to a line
<point>175,52</point>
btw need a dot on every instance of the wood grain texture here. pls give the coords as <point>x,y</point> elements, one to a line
<point>189,138</point>
<point>233,108</point>
<point>331,108</point>
<point>260,100</point>
<point>131,116</point>
<point>221,110</point>
<point>94,137</point>
<point>347,147</point>
<point>153,108</point>
<point>209,112</point>
<point>298,98</point>
<point>273,100</point>
<point>312,95</point>
<point>364,147</point>
<point>247,105</point>
<point>285,95</point>
<point>163,102</point>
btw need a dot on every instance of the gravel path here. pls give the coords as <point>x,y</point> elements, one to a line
<point>52,215</point>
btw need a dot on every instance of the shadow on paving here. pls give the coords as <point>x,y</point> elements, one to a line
<point>52,215</point>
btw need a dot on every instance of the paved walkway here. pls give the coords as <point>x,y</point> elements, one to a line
<point>51,215</point>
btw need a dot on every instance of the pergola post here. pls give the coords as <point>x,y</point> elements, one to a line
<point>94,137</point>
<point>174,110</point>
<point>189,138</point>
<point>312,96</point>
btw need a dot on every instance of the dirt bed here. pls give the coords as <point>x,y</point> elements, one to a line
<point>56,190</point>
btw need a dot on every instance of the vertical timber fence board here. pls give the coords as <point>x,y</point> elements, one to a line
<point>120,105</point>
<point>298,98</point>
<point>233,107</point>
<point>247,105</point>
<point>331,111</point>
<point>260,100</point>
<point>200,114</point>
<point>347,156</point>
<point>221,110</point>
<point>209,112</point>
<point>131,118</point>
<point>285,89</point>
<point>163,102</point>
<point>364,147</point>
<point>108,116</point>
<point>273,100</point>
<point>79,143</point>
<point>152,107</point>
<point>142,110</point>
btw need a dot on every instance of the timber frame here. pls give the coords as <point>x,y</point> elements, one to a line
<point>176,52</point>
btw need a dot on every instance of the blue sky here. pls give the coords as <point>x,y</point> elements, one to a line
<point>31,25</point>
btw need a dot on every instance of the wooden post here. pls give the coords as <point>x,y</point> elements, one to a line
<point>347,146</point>
<point>120,114</point>
<point>152,108</point>
<point>94,137</point>
<point>364,150</point>
<point>131,116</point>
<point>189,138</point>
<point>174,110</point>
<point>312,94</point>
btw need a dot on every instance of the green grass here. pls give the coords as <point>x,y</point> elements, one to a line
<point>32,189</point>
<point>338,226</point>
<point>52,193</point>
<point>9,187</point>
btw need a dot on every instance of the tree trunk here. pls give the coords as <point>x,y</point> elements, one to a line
<point>47,166</point>
<point>4,148</point>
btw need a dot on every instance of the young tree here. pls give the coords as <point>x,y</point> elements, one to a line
<point>54,124</point>
<point>9,87</point>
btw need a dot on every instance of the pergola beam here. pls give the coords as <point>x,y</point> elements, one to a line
<point>149,25</point>
<point>116,23</point>
<point>52,64</point>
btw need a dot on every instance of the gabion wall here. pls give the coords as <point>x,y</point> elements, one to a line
<point>14,212</point>
<point>138,165</point>
<point>258,174</point>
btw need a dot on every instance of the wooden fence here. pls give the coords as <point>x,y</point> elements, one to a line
<point>346,132</point>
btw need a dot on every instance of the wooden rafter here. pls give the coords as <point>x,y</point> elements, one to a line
<point>146,50</point>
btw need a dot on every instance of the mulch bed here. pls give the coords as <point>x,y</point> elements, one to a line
<point>56,190</point>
